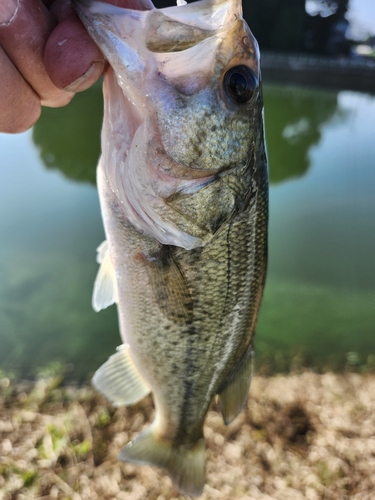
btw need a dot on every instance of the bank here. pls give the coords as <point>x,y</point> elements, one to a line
<point>301,436</point>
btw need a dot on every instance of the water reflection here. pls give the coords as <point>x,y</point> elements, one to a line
<point>294,119</point>
<point>68,138</point>
<point>321,284</point>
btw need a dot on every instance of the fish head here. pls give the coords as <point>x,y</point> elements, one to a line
<point>182,105</point>
<point>206,93</point>
<point>192,71</point>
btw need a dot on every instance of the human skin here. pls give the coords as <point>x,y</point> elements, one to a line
<point>46,56</point>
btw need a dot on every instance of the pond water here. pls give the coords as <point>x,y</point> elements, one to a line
<point>319,303</point>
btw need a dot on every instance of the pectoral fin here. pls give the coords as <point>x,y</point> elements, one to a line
<point>119,381</point>
<point>170,287</point>
<point>105,286</point>
<point>233,397</point>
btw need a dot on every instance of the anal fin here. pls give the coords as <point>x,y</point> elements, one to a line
<point>233,397</point>
<point>186,465</point>
<point>119,381</point>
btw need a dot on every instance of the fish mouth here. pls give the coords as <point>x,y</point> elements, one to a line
<point>163,42</point>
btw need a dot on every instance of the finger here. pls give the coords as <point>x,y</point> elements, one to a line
<point>23,38</point>
<point>71,58</point>
<point>19,104</point>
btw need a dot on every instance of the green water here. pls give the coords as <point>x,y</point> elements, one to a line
<point>319,303</point>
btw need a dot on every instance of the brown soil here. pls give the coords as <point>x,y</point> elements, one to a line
<point>302,436</point>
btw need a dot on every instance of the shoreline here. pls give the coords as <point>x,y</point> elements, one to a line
<point>319,72</point>
<point>300,436</point>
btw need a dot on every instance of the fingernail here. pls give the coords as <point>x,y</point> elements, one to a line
<point>8,11</point>
<point>86,80</point>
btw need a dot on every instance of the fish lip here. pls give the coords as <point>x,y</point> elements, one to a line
<point>212,16</point>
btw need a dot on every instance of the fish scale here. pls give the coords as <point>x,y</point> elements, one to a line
<point>183,189</point>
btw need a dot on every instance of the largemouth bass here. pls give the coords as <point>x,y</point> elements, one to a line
<point>183,189</point>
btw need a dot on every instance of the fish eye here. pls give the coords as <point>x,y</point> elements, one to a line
<point>240,84</point>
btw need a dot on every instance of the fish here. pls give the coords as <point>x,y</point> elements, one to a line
<point>183,188</point>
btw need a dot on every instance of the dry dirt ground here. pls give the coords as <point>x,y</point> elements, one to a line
<point>301,436</point>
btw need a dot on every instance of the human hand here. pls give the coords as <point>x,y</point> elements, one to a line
<point>46,56</point>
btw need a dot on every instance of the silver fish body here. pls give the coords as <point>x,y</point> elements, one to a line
<point>184,195</point>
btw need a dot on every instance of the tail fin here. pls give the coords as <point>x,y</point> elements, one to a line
<point>185,466</point>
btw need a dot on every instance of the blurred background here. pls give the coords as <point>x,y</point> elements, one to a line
<point>318,311</point>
